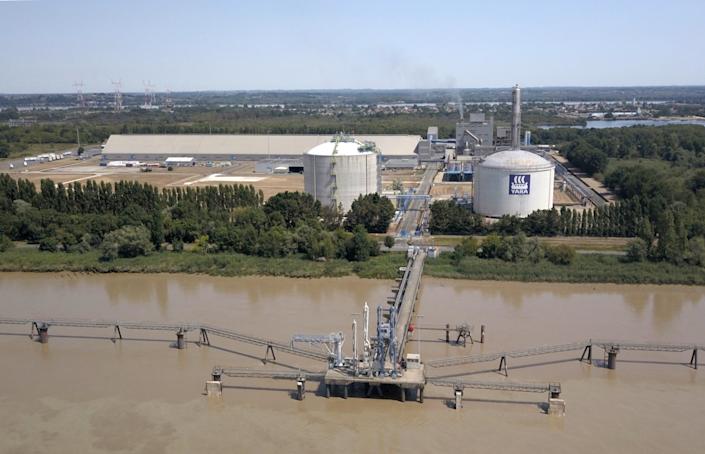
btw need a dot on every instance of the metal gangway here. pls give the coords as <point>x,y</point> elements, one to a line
<point>41,325</point>
<point>611,347</point>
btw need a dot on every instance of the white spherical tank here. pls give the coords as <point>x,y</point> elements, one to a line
<point>338,172</point>
<point>513,182</point>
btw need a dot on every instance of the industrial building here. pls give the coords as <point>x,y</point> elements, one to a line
<point>338,171</point>
<point>215,147</point>
<point>474,132</point>
<point>513,182</point>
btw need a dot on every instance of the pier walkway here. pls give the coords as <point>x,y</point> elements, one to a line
<point>41,325</point>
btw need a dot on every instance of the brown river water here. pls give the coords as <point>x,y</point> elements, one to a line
<point>82,392</point>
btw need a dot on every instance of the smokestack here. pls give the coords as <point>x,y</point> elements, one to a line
<point>516,116</point>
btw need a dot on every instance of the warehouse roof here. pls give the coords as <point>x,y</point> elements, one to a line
<point>275,145</point>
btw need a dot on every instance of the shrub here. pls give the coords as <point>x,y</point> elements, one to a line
<point>5,243</point>
<point>389,241</point>
<point>49,244</point>
<point>637,251</point>
<point>561,254</point>
<point>128,241</point>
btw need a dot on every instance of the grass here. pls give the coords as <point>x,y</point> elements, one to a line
<point>591,268</point>
<point>578,242</point>
<point>383,266</point>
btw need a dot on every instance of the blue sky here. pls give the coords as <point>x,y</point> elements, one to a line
<point>45,46</point>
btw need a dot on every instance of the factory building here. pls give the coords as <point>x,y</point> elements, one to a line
<point>513,182</point>
<point>220,147</point>
<point>477,131</point>
<point>338,171</point>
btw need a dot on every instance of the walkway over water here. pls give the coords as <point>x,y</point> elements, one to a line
<point>41,325</point>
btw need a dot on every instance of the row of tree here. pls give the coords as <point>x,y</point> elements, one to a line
<point>123,217</point>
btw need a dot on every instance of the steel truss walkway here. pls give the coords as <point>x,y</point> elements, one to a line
<point>41,325</point>
<point>612,346</point>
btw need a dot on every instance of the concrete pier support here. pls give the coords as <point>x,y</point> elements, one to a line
<point>421,395</point>
<point>43,331</point>
<point>300,388</point>
<point>482,334</point>
<point>345,391</point>
<point>180,340</point>
<point>458,398</point>
<point>328,391</point>
<point>214,388</point>
<point>556,407</point>
<point>612,358</point>
<point>447,333</point>
<point>402,394</point>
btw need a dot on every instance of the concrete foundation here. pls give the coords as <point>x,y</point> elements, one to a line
<point>180,340</point>
<point>214,388</point>
<point>556,407</point>
<point>43,334</point>
<point>458,399</point>
<point>612,358</point>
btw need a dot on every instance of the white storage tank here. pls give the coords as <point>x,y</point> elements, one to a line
<point>513,182</point>
<point>338,172</point>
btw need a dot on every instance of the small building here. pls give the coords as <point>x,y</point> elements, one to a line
<point>180,161</point>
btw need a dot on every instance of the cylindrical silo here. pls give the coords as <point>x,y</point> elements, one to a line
<point>338,172</point>
<point>512,182</point>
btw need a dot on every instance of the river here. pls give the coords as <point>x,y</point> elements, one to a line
<point>603,124</point>
<point>82,392</point>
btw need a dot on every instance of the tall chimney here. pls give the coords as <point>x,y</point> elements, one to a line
<point>516,116</point>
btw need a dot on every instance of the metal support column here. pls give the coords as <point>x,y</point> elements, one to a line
<point>587,351</point>
<point>204,337</point>
<point>266,354</point>
<point>420,394</point>
<point>503,365</point>
<point>694,359</point>
<point>447,333</point>
<point>117,334</point>
<point>482,334</point>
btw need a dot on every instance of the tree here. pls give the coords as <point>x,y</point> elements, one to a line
<point>389,241</point>
<point>492,247</point>
<point>293,207</point>
<point>49,244</point>
<point>372,211</point>
<point>359,247</point>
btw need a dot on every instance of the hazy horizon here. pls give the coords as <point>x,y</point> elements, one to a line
<point>277,46</point>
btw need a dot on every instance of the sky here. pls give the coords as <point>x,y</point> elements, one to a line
<point>48,45</point>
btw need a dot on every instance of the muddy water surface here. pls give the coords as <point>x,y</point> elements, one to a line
<point>82,392</point>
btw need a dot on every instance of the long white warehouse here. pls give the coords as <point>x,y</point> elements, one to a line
<point>513,182</point>
<point>207,147</point>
